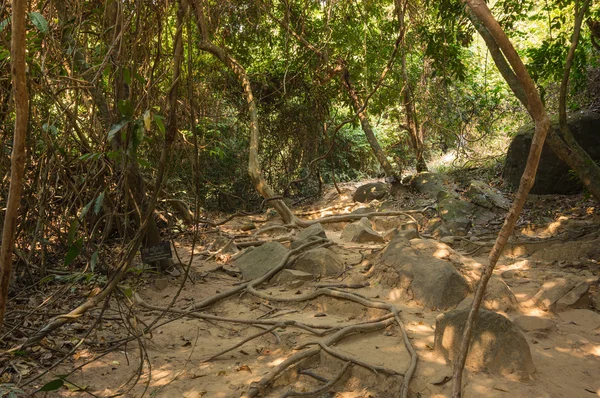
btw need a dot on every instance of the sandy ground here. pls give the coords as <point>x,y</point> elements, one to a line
<point>173,358</point>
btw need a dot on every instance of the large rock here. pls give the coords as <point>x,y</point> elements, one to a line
<point>485,196</point>
<point>371,191</point>
<point>497,346</point>
<point>498,297</point>
<point>455,216</point>
<point>257,262</point>
<point>428,183</point>
<point>319,262</point>
<point>430,281</point>
<point>361,232</point>
<point>578,297</point>
<point>553,175</point>
<point>552,291</point>
<point>314,231</point>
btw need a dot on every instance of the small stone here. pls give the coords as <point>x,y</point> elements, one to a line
<point>511,274</point>
<point>361,232</point>
<point>290,275</point>
<point>576,340</point>
<point>578,297</point>
<point>534,323</point>
<point>315,230</point>
<point>371,191</point>
<point>161,284</point>
<point>296,284</point>
<point>248,226</point>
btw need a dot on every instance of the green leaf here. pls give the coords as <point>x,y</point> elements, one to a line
<point>125,108</point>
<point>139,78</point>
<point>116,128</point>
<point>127,291</point>
<point>4,53</point>
<point>73,230</point>
<point>94,260</point>
<point>53,385</point>
<point>143,163</point>
<point>74,251</point>
<point>4,23</point>
<point>138,134</point>
<point>98,204</point>
<point>159,120</point>
<point>126,76</point>
<point>85,209</point>
<point>39,22</point>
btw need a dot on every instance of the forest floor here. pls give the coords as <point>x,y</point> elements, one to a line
<point>558,237</point>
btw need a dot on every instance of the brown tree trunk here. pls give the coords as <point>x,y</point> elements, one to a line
<point>412,123</point>
<point>254,169</point>
<point>366,124</point>
<point>565,147</point>
<point>359,107</point>
<point>17,166</point>
<point>536,109</point>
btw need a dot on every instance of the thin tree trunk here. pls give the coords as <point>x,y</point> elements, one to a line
<point>358,106</point>
<point>254,169</point>
<point>366,124</point>
<point>536,109</point>
<point>412,123</point>
<point>17,167</point>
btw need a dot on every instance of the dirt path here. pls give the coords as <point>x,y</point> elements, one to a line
<point>566,355</point>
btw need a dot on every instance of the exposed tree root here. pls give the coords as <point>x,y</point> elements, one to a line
<point>321,389</point>
<point>263,384</point>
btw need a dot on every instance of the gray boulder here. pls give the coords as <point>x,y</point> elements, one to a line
<point>361,232</point>
<point>553,176</point>
<point>430,281</point>
<point>371,191</point>
<point>485,196</point>
<point>319,262</point>
<point>262,259</point>
<point>428,183</point>
<point>315,230</point>
<point>497,346</point>
<point>455,217</point>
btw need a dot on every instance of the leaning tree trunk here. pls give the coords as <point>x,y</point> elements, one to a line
<point>366,124</point>
<point>358,106</point>
<point>536,109</point>
<point>18,46</point>
<point>565,147</point>
<point>254,169</point>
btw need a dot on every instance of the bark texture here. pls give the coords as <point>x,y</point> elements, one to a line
<point>18,46</point>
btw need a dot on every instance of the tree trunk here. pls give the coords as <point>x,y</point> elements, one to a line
<point>17,167</point>
<point>358,106</point>
<point>412,123</point>
<point>366,124</point>
<point>254,169</point>
<point>565,147</point>
<point>536,109</point>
